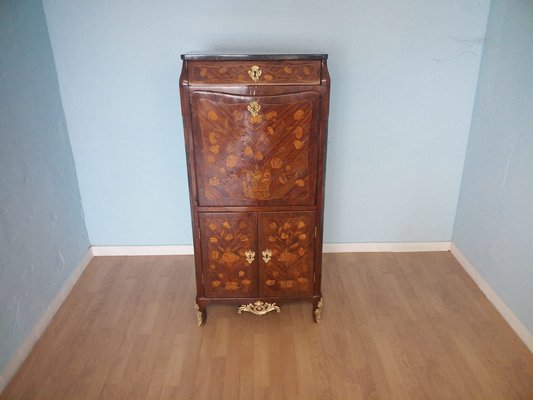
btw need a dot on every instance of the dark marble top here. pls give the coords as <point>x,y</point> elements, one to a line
<point>238,57</point>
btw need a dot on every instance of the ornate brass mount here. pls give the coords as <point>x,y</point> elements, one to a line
<point>267,255</point>
<point>199,316</point>
<point>250,256</point>
<point>318,311</point>
<point>254,108</point>
<point>258,308</point>
<point>255,72</point>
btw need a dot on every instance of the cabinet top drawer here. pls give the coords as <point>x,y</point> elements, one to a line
<point>254,72</point>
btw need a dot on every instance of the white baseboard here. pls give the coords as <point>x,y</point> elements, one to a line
<point>328,248</point>
<point>520,329</point>
<point>99,251</point>
<point>25,348</point>
<point>385,247</point>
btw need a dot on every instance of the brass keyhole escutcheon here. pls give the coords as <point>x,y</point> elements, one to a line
<point>250,256</point>
<point>254,107</point>
<point>267,255</point>
<point>255,72</point>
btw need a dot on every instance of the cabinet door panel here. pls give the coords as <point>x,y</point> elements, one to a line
<point>225,239</point>
<point>290,238</point>
<point>255,150</point>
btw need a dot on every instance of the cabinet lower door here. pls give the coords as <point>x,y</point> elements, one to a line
<point>286,253</point>
<point>229,259</point>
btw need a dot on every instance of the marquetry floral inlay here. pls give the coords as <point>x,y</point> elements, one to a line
<point>290,268</point>
<point>229,245</point>
<point>255,157</point>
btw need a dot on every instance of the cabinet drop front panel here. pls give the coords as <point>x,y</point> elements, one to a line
<point>255,134</point>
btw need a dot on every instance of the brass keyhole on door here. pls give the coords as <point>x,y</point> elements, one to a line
<point>255,72</point>
<point>250,256</point>
<point>267,255</point>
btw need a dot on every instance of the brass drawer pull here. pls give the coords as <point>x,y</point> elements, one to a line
<point>255,72</point>
<point>254,108</point>
<point>250,256</point>
<point>267,255</point>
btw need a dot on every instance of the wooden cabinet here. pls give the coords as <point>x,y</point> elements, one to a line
<point>255,133</point>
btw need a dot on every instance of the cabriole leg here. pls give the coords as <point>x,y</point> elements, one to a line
<point>200,314</point>
<point>317,310</point>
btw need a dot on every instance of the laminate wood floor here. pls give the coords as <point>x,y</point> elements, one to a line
<point>394,326</point>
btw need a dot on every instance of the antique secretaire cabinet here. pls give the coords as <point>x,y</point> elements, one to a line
<point>255,134</point>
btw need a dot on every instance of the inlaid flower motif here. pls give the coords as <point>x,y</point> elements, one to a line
<point>214,149</point>
<point>298,115</point>
<point>301,224</point>
<point>212,226</point>
<point>229,257</point>
<point>248,151</point>
<point>276,163</point>
<point>298,144</point>
<point>270,282</point>
<point>241,273</point>
<point>271,115</point>
<point>212,138</point>
<point>213,239</point>
<point>214,181</point>
<point>215,283</point>
<point>231,161</point>
<point>226,225</point>
<point>255,119</point>
<point>287,70</point>
<point>302,236</point>
<point>301,251</point>
<point>228,237</point>
<point>270,130</point>
<point>300,182</point>
<point>212,116</point>
<point>246,282</point>
<point>214,254</point>
<point>259,155</point>
<point>210,159</point>
<point>286,256</point>
<point>298,132</point>
<point>232,285</point>
<point>269,77</point>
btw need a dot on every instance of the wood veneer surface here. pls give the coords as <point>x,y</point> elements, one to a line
<point>394,326</point>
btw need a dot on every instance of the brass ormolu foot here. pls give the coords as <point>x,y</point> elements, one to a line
<point>318,310</point>
<point>199,315</point>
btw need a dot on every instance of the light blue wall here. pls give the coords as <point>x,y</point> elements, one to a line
<point>494,227</point>
<point>42,233</point>
<point>404,75</point>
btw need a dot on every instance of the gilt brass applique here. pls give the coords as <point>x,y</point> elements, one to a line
<point>318,311</point>
<point>254,107</point>
<point>250,256</point>
<point>199,316</point>
<point>255,72</point>
<point>259,308</point>
<point>267,255</point>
